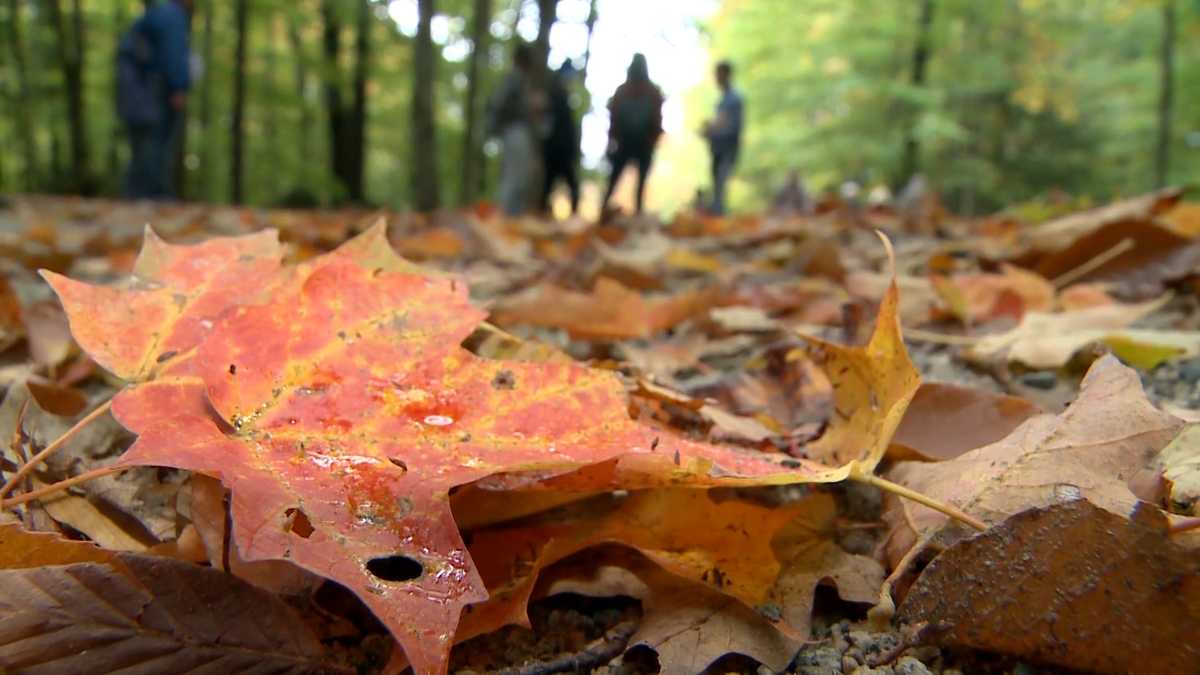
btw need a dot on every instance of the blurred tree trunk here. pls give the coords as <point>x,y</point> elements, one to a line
<point>347,135</point>
<point>587,48</point>
<point>332,48</point>
<point>547,15</point>
<point>238,169</point>
<point>920,59</point>
<point>21,109</point>
<point>424,142</point>
<point>472,152</point>
<point>301,75</point>
<point>206,154</point>
<point>1166,95</point>
<point>70,59</point>
<point>358,115</point>
<point>179,158</point>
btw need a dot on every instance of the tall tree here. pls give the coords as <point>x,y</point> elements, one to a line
<point>920,60</point>
<point>1166,95</point>
<point>358,113</point>
<point>206,107</point>
<point>179,155</point>
<point>69,34</point>
<point>300,73</point>
<point>347,135</point>
<point>472,151</point>
<point>547,15</point>
<point>424,141</point>
<point>238,130</point>
<point>591,28</point>
<point>21,110</point>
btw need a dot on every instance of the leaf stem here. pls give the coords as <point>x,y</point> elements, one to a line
<point>60,486</point>
<point>28,467</point>
<point>901,491</point>
<point>1185,525</point>
<point>1070,276</point>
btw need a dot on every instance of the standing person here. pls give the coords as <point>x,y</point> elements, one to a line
<point>510,118</point>
<point>635,123</point>
<point>724,134</point>
<point>153,79</point>
<point>560,149</point>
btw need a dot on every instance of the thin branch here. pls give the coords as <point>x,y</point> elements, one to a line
<point>60,486</point>
<point>901,491</point>
<point>1185,525</point>
<point>59,442</point>
<point>1086,268</point>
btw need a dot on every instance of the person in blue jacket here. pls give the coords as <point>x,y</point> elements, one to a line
<point>153,79</point>
<point>724,135</point>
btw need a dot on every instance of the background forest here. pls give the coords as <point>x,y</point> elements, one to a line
<point>309,102</point>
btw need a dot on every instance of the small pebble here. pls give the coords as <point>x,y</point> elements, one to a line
<point>908,665</point>
<point>1040,379</point>
<point>1189,371</point>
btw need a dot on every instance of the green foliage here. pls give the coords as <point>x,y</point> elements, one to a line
<point>287,143</point>
<point>1020,97</point>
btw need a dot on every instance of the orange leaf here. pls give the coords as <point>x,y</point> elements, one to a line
<point>345,402</point>
<point>169,305</point>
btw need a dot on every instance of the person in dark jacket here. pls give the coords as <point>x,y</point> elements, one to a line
<point>635,123</point>
<point>560,149</point>
<point>154,76</point>
<point>724,134</point>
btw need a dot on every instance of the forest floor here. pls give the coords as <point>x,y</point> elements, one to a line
<point>1009,323</point>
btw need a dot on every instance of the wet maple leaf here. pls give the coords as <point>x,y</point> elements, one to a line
<point>169,304</point>
<point>341,409</point>
<point>346,410</point>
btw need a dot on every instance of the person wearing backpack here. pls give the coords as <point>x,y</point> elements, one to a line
<point>153,78</point>
<point>560,147</point>
<point>724,134</point>
<point>635,123</point>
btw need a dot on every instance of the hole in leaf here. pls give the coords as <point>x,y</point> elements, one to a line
<point>400,463</point>
<point>395,568</point>
<point>298,523</point>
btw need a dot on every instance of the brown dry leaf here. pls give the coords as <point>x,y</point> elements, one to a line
<point>50,341</point>
<point>1049,340</point>
<point>945,420</point>
<point>1061,232</point>
<point>20,548</point>
<point>206,507</point>
<point>1138,256</point>
<point>11,329</point>
<point>56,399</point>
<point>1102,447</point>
<point>1084,296</point>
<point>1181,466</point>
<point>918,299</point>
<point>434,243</point>
<point>770,558</point>
<point>610,311</point>
<point>153,614</point>
<point>1069,585</point>
<point>689,626</point>
<point>82,515</point>
<point>1184,219</point>
<point>974,298</point>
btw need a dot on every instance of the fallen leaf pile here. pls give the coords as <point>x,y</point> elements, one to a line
<point>327,457</point>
